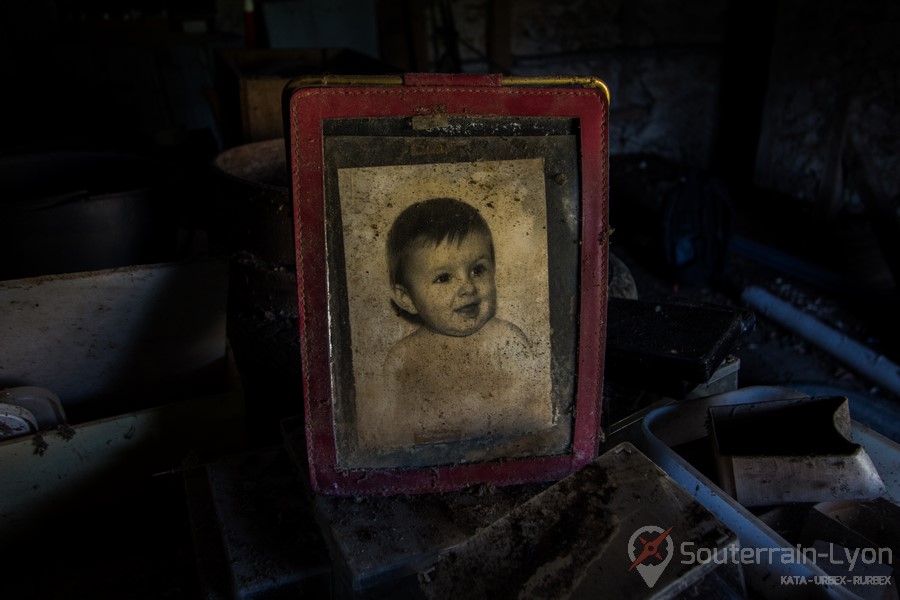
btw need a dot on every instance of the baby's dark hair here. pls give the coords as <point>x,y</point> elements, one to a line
<point>435,221</point>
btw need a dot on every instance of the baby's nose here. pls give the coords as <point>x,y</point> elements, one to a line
<point>467,286</point>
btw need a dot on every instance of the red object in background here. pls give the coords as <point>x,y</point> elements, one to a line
<point>310,102</point>
<point>249,24</point>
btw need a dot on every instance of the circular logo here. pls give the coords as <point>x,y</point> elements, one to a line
<point>650,550</point>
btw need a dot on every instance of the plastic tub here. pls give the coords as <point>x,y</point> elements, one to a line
<point>683,422</point>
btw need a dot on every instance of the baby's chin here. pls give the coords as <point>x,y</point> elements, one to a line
<point>465,330</point>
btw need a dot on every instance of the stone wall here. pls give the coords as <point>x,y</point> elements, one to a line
<point>660,60</point>
<point>833,92</point>
<point>833,82</point>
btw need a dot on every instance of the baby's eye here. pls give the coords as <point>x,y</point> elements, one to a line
<point>479,270</point>
<point>442,278</point>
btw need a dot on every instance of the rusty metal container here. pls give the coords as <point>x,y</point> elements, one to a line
<point>253,187</point>
<point>255,226</point>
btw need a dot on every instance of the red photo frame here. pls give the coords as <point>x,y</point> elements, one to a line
<point>407,387</point>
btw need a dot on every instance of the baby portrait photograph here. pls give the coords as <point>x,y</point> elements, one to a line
<point>449,311</point>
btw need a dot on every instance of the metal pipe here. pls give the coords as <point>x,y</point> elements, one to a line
<point>865,361</point>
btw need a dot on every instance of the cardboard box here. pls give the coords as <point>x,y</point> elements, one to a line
<point>250,81</point>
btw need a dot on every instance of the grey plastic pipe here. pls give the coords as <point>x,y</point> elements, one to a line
<point>876,367</point>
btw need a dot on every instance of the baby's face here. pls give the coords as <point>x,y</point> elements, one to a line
<point>451,285</point>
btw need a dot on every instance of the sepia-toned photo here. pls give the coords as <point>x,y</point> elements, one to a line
<point>449,310</point>
<point>451,275</point>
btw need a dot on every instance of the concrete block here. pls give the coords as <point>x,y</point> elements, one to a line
<point>271,542</point>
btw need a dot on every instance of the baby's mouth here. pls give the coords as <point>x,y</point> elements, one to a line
<point>469,311</point>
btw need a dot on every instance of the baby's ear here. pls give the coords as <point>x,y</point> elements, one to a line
<point>403,299</point>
